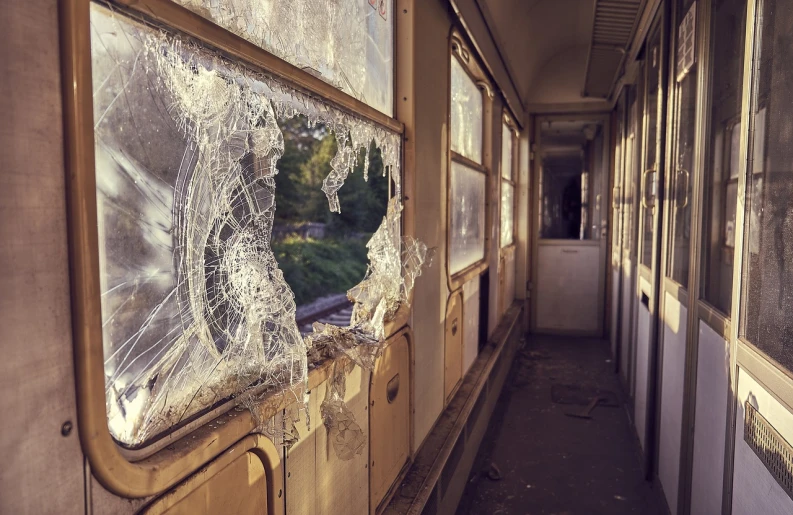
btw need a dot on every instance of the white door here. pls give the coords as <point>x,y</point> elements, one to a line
<point>572,169</point>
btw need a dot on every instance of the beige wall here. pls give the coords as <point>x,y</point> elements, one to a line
<point>429,306</point>
<point>42,471</point>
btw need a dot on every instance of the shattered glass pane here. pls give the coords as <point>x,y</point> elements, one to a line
<point>467,112</point>
<point>195,305</point>
<point>349,44</point>
<point>467,205</point>
<point>506,152</point>
<point>507,213</point>
<point>344,433</point>
<point>322,254</point>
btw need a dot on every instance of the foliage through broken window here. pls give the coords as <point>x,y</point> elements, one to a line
<point>191,151</point>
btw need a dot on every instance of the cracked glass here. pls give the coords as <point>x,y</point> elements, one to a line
<point>348,44</point>
<point>467,205</point>
<point>192,157</point>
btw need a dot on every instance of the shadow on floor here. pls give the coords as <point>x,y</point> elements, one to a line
<point>535,459</point>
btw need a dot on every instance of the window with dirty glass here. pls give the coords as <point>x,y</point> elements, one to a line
<point>467,114</point>
<point>467,176</point>
<point>227,201</point>
<point>728,21</point>
<point>349,44</point>
<point>648,186</point>
<point>571,179</point>
<point>682,165</point>
<point>467,207</point>
<point>632,171</point>
<point>767,286</point>
<point>508,162</point>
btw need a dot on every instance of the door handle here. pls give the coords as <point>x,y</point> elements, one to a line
<point>684,192</point>
<point>645,189</point>
<point>615,203</point>
<point>392,389</point>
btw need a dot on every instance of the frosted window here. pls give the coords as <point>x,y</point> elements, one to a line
<point>506,152</point>
<point>348,43</point>
<point>466,114</point>
<point>507,213</point>
<point>467,204</point>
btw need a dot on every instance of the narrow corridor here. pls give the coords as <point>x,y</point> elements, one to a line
<point>536,458</point>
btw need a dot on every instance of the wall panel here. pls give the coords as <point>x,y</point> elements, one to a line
<point>672,384</point>
<point>43,470</point>
<point>754,489</point>
<point>713,382</point>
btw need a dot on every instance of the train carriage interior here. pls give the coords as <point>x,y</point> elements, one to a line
<point>289,257</point>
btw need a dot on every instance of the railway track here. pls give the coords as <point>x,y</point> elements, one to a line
<point>337,313</point>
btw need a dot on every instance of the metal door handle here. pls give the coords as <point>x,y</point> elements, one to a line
<point>684,191</point>
<point>645,189</point>
<point>615,205</point>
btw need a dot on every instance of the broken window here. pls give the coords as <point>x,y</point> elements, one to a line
<point>507,185</point>
<point>190,149</point>
<point>348,44</point>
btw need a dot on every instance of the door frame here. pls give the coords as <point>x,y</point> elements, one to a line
<point>604,118</point>
<point>653,275</point>
<point>618,181</point>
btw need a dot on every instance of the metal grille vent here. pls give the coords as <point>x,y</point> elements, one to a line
<point>772,449</point>
<point>612,30</point>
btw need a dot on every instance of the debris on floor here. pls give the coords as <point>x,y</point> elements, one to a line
<point>549,463</point>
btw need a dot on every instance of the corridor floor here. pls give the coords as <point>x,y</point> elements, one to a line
<point>536,459</point>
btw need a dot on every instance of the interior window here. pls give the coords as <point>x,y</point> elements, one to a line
<point>648,186</point>
<point>766,291</point>
<point>572,165</point>
<point>722,167</point>
<point>618,200</point>
<point>467,114</point>
<point>467,205</point>
<point>348,44</point>
<point>682,164</point>
<point>631,173</point>
<point>507,185</point>
<point>468,178</point>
